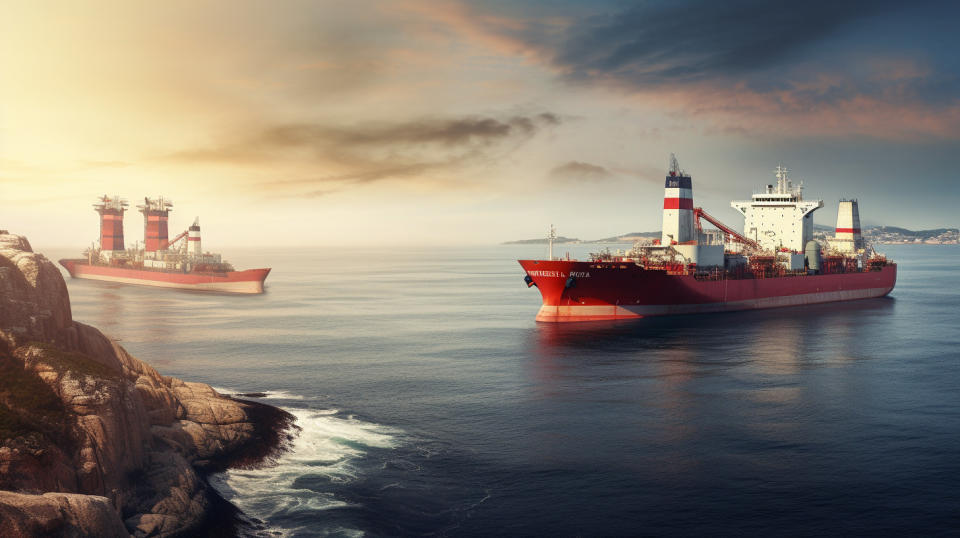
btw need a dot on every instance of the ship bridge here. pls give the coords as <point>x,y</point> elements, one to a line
<point>779,217</point>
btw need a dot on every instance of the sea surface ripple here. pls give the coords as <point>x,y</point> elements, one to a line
<point>430,402</point>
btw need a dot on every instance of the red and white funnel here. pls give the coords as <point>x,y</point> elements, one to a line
<point>678,225</point>
<point>193,239</point>
<point>848,237</point>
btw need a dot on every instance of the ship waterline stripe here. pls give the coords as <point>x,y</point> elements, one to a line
<point>678,203</point>
<point>569,313</point>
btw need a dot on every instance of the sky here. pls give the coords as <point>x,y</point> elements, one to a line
<point>452,122</point>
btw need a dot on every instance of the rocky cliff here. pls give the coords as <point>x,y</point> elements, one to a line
<point>92,440</point>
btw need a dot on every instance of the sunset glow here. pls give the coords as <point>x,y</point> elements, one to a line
<point>366,123</point>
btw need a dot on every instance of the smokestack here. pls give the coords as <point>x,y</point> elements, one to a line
<point>155,215</point>
<point>848,237</point>
<point>677,206</point>
<point>111,222</point>
<point>193,239</point>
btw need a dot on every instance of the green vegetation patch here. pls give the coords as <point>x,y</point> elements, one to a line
<point>11,425</point>
<point>77,363</point>
<point>28,405</point>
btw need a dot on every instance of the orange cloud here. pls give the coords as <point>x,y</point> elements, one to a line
<point>458,21</point>
<point>808,109</point>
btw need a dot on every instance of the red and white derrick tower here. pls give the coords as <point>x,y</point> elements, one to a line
<point>111,222</point>
<point>156,212</point>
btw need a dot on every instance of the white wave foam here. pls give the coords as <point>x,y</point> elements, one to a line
<point>327,446</point>
<point>267,394</point>
<point>282,395</point>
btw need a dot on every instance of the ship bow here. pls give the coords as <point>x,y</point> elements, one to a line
<point>573,291</point>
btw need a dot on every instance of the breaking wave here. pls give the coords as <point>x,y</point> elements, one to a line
<point>328,446</point>
<point>265,395</point>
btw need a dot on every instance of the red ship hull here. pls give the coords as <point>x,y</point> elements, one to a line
<point>249,281</point>
<point>616,290</point>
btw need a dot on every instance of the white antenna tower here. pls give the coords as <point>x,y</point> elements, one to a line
<point>674,165</point>
<point>550,237</point>
<point>781,178</point>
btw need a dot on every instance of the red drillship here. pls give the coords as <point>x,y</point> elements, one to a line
<point>775,263</point>
<point>161,262</point>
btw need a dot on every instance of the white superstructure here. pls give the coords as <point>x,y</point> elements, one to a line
<point>779,217</point>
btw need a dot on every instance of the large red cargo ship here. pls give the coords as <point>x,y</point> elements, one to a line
<point>774,263</point>
<point>161,262</point>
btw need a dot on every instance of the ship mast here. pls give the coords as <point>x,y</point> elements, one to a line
<point>550,237</point>
<point>674,166</point>
<point>783,186</point>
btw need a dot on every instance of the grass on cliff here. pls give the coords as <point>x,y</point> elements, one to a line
<point>27,404</point>
<point>78,363</point>
<point>11,425</point>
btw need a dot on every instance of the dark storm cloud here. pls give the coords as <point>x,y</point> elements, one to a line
<point>579,172</point>
<point>878,69</point>
<point>370,152</point>
<point>457,132</point>
<point>443,135</point>
<point>655,43</point>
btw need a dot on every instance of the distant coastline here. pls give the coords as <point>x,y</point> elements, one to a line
<point>543,240</point>
<point>891,235</point>
<point>883,235</point>
<point>625,238</point>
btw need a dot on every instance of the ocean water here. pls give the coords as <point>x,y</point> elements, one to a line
<point>431,403</point>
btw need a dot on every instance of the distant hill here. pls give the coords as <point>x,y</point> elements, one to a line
<point>894,234</point>
<point>919,234</point>
<point>543,241</point>
<point>626,238</point>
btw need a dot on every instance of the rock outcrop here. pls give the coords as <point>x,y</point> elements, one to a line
<point>59,514</point>
<point>94,441</point>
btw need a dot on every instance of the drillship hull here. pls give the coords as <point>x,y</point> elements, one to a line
<point>590,291</point>
<point>249,281</point>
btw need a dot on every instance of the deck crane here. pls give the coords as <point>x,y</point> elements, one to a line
<point>699,213</point>
<point>177,238</point>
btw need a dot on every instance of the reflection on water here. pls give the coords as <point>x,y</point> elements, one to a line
<point>771,345</point>
<point>625,336</point>
<point>112,307</point>
<point>696,381</point>
<point>156,312</point>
